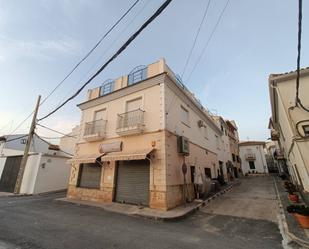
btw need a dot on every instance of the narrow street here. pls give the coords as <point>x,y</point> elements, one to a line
<point>242,218</point>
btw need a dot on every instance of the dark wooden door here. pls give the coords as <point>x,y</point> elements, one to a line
<point>9,174</point>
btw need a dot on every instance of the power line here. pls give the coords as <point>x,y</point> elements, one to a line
<point>13,139</point>
<point>209,39</point>
<point>195,39</point>
<point>120,50</point>
<point>300,15</point>
<point>111,45</point>
<point>81,61</point>
<point>91,50</point>
<point>52,144</point>
<point>66,135</point>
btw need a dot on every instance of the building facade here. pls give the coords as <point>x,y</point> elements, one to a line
<point>224,153</point>
<point>234,147</point>
<point>290,123</point>
<point>46,169</point>
<point>144,139</point>
<point>252,154</point>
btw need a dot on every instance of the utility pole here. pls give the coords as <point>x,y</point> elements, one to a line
<point>27,147</point>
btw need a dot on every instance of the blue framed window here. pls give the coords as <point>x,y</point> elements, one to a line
<point>137,74</point>
<point>107,87</point>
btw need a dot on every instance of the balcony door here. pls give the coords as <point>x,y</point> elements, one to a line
<point>133,105</point>
<point>99,116</point>
<point>132,115</point>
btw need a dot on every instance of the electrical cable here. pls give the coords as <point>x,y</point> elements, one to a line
<point>209,39</point>
<point>297,99</point>
<point>91,50</point>
<point>66,135</point>
<point>103,54</point>
<point>13,139</point>
<point>120,50</point>
<point>52,144</point>
<point>81,61</point>
<point>195,39</point>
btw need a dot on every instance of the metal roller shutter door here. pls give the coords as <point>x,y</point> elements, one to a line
<point>133,182</point>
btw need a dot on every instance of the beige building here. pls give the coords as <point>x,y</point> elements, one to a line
<point>224,152</point>
<point>137,132</point>
<point>234,147</point>
<point>290,123</point>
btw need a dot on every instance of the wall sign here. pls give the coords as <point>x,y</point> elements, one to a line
<point>110,147</point>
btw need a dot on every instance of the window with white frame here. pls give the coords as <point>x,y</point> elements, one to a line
<point>217,141</point>
<point>184,115</point>
<point>135,104</point>
<point>100,115</point>
<point>205,131</point>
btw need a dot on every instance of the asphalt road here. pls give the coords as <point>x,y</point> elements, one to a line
<point>39,222</point>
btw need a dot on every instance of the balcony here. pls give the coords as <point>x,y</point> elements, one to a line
<point>130,123</point>
<point>274,134</point>
<point>95,130</point>
<point>250,156</point>
<point>278,155</point>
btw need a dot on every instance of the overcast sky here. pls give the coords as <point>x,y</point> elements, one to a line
<point>40,41</point>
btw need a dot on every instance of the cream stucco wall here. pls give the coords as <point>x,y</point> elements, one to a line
<point>260,160</point>
<point>285,118</point>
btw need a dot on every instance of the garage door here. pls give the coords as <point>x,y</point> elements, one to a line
<point>10,173</point>
<point>132,184</point>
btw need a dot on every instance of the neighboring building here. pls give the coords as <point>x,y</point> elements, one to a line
<point>224,154</point>
<point>68,142</point>
<point>132,143</point>
<point>271,148</point>
<point>234,147</point>
<point>290,123</point>
<point>252,156</point>
<point>46,169</point>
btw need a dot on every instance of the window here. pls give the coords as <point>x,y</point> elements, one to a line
<point>251,165</point>
<point>133,105</point>
<point>306,130</point>
<point>217,141</point>
<point>222,129</point>
<point>237,159</point>
<point>184,115</point>
<point>233,156</point>
<point>137,74</point>
<point>205,131</point>
<point>100,115</point>
<point>89,175</point>
<point>23,141</point>
<point>207,172</point>
<point>107,87</point>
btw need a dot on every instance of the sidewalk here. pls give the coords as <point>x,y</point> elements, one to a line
<point>292,229</point>
<point>133,210</point>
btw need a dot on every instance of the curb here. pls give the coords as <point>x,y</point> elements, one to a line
<point>161,218</point>
<point>288,236</point>
<point>204,203</point>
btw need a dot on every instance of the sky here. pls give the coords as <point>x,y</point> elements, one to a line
<point>41,41</point>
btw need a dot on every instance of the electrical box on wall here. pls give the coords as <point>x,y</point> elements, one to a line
<point>183,145</point>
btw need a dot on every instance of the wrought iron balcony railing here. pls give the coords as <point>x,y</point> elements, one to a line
<point>250,156</point>
<point>95,128</point>
<point>130,120</point>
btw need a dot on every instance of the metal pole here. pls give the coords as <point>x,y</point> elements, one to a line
<point>27,148</point>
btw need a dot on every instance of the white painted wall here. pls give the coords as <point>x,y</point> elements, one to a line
<point>30,174</point>
<point>260,160</point>
<point>52,174</point>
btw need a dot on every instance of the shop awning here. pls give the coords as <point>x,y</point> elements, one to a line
<point>85,158</point>
<point>127,155</point>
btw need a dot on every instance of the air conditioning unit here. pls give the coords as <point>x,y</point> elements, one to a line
<point>183,145</point>
<point>201,123</point>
